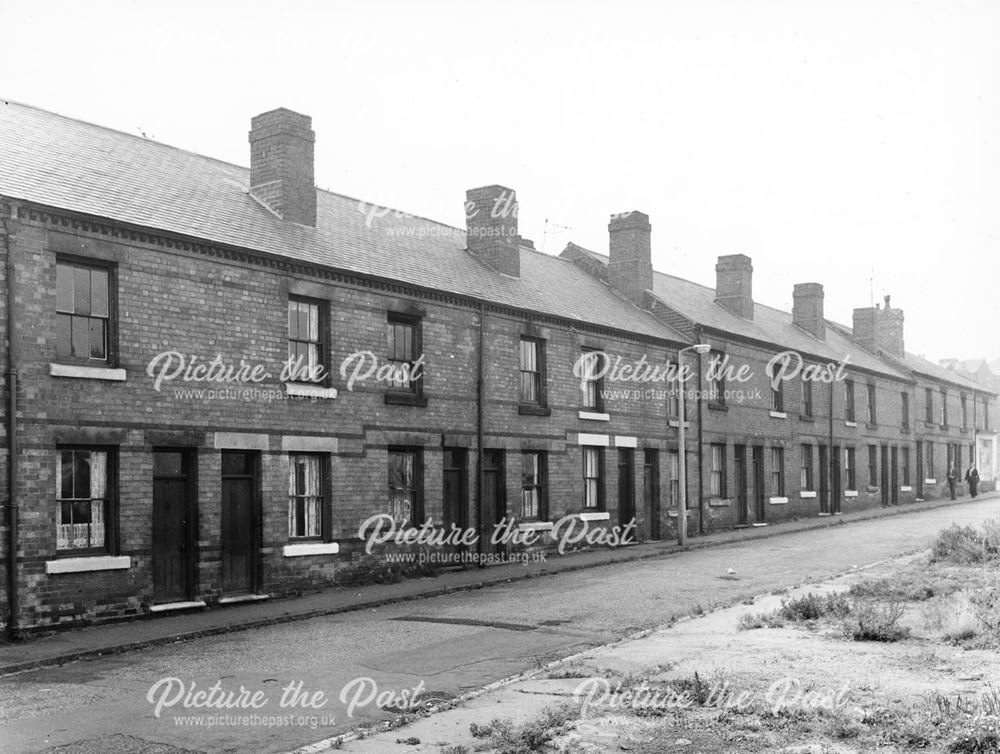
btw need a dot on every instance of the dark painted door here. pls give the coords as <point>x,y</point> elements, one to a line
<point>824,479</point>
<point>742,501</point>
<point>651,491</point>
<point>456,495</point>
<point>494,499</point>
<point>920,470</point>
<point>758,484</point>
<point>835,491</point>
<point>894,476</point>
<point>885,475</point>
<point>626,489</point>
<point>239,522</point>
<point>172,526</point>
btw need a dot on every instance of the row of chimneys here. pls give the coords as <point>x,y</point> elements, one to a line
<point>282,178</point>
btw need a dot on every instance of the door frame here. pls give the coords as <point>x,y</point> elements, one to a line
<point>651,492</point>
<point>919,470</point>
<point>759,485</point>
<point>825,467</point>
<point>742,500</point>
<point>189,458</point>
<point>884,475</point>
<point>836,479</point>
<point>626,486</point>
<point>501,498</point>
<point>894,475</point>
<point>256,503</point>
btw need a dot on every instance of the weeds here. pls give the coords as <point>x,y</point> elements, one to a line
<point>506,738</point>
<point>966,544</point>
<point>875,621</point>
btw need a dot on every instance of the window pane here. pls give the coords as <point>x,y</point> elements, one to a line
<point>98,328</point>
<point>99,293</point>
<point>64,288</point>
<point>293,330</point>
<point>81,337</point>
<point>66,474</point>
<point>81,290</point>
<point>81,473</point>
<point>168,463</point>
<point>64,334</point>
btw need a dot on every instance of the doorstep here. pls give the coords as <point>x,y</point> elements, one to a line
<point>240,598</point>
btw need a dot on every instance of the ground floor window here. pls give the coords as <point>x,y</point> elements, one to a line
<point>82,498</point>
<point>305,496</point>
<point>405,502</point>
<point>778,471</point>
<point>533,486</point>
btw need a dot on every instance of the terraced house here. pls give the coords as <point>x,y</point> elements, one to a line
<point>215,377</point>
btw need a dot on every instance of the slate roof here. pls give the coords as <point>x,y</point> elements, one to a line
<point>68,164</point>
<point>769,325</point>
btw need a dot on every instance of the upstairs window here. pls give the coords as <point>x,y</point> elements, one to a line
<point>305,345</point>
<point>778,397</point>
<point>406,357</point>
<point>849,414</point>
<point>807,398</point>
<point>592,385</point>
<point>905,410</point>
<point>928,405</point>
<point>872,410</point>
<point>532,358</point>
<point>83,309</point>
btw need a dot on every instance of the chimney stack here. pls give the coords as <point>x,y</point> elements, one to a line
<point>807,308</point>
<point>630,264</point>
<point>734,284</point>
<point>880,329</point>
<point>281,164</point>
<point>491,228</point>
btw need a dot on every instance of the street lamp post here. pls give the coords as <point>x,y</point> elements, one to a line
<point>700,348</point>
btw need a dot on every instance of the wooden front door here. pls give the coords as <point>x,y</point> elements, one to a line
<point>885,475</point>
<point>835,491</point>
<point>455,509</point>
<point>494,507</point>
<point>173,526</point>
<point>240,522</point>
<point>920,470</point>
<point>651,491</point>
<point>824,479</point>
<point>742,501</point>
<point>758,484</point>
<point>894,477</point>
<point>626,489</point>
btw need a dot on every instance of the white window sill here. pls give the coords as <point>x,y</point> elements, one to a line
<point>535,526</point>
<point>310,548</point>
<point>718,502</point>
<point>906,488</point>
<point>168,607</point>
<point>602,441</point>
<point>930,481</point>
<point>594,516</point>
<point>310,391</point>
<point>676,423</point>
<point>594,416</point>
<point>850,424</point>
<point>778,500</point>
<point>850,493</point>
<point>806,494</point>
<point>87,564</point>
<point>87,373</point>
<point>778,415</point>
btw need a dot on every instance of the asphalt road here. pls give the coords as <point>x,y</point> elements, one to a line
<point>364,660</point>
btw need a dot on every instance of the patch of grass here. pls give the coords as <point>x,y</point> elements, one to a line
<point>875,621</point>
<point>694,688</point>
<point>749,621</point>
<point>454,749</point>
<point>902,587</point>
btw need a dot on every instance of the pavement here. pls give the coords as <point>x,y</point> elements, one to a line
<point>68,645</point>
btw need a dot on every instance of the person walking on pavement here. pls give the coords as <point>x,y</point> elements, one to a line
<point>972,477</point>
<point>952,479</point>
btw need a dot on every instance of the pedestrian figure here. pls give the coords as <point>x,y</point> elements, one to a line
<point>972,477</point>
<point>952,479</point>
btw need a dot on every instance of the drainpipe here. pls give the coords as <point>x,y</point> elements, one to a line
<point>830,460</point>
<point>12,364</point>
<point>481,540</point>
<point>701,438</point>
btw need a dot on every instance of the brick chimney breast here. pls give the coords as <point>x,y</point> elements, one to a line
<point>630,264</point>
<point>282,171</point>
<point>734,284</point>
<point>491,228</point>
<point>807,308</point>
<point>879,329</point>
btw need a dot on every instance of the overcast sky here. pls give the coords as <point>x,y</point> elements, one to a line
<point>851,144</point>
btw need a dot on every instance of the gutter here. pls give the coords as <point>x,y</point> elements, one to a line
<point>13,579</point>
<point>701,436</point>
